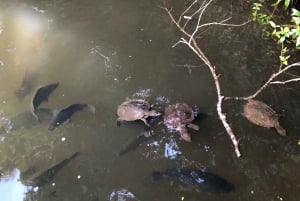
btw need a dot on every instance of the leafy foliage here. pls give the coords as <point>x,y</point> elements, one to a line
<point>284,33</point>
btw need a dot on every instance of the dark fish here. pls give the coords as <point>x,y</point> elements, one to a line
<point>142,138</point>
<point>65,114</point>
<point>40,96</point>
<point>48,175</point>
<point>204,181</point>
<point>27,85</point>
<point>26,120</point>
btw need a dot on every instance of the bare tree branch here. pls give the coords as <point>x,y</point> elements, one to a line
<point>274,75</point>
<point>192,44</point>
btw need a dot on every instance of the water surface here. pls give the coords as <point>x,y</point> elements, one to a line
<point>102,52</point>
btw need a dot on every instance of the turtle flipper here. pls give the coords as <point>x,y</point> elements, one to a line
<point>193,126</point>
<point>145,121</point>
<point>281,131</point>
<point>147,132</point>
<point>185,135</point>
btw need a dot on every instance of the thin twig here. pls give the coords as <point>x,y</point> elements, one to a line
<point>193,14</point>
<point>199,19</point>
<point>274,75</point>
<point>186,10</point>
<point>224,24</point>
<point>286,81</point>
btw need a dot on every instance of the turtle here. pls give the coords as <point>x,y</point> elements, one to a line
<point>261,114</point>
<point>135,109</point>
<point>178,117</point>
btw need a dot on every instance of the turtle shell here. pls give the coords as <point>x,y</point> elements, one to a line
<point>133,109</point>
<point>261,114</point>
<point>178,115</point>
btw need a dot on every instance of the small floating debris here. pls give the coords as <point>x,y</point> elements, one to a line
<point>187,17</point>
<point>280,198</point>
<point>128,78</point>
<point>35,189</point>
<point>142,93</point>
<point>121,195</point>
<point>153,144</point>
<point>206,148</point>
<point>171,149</point>
<point>38,9</point>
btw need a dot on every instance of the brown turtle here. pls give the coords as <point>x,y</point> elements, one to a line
<point>178,117</point>
<point>260,114</point>
<point>135,109</point>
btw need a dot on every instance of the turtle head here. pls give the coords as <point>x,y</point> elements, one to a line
<point>154,113</point>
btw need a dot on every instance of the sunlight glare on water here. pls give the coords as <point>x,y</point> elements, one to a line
<point>11,188</point>
<point>29,36</point>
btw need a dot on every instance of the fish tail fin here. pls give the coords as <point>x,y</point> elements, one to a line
<point>156,175</point>
<point>35,115</point>
<point>281,131</point>
<point>91,108</point>
<point>33,111</point>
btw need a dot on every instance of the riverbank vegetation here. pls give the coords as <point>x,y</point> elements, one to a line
<point>282,24</point>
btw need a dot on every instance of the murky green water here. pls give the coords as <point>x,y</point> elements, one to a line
<point>102,52</point>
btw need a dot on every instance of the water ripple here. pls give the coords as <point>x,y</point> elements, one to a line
<point>122,195</point>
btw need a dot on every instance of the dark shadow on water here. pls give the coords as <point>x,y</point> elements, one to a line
<point>201,117</point>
